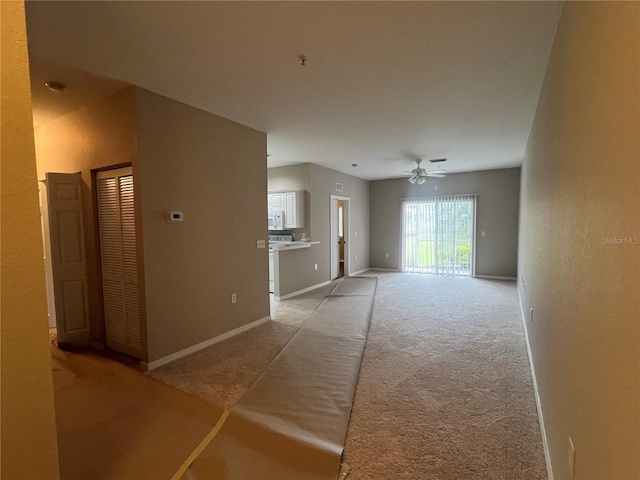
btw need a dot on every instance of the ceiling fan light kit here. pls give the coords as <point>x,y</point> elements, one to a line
<point>419,175</point>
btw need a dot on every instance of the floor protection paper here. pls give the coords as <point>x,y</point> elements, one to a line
<point>292,422</point>
<point>116,423</point>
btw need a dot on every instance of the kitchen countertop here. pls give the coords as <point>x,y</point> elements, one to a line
<point>281,246</point>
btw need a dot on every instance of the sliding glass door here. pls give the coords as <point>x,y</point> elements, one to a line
<point>438,235</point>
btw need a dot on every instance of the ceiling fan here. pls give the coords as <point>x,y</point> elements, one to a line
<point>419,175</point>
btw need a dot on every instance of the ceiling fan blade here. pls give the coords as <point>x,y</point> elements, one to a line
<point>419,174</point>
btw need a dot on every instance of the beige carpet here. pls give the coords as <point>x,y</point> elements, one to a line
<point>444,392</point>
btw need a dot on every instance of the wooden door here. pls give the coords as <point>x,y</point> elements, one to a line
<point>118,253</point>
<point>68,258</point>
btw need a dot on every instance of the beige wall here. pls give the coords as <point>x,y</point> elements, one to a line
<point>214,171</point>
<point>580,185</point>
<point>195,162</point>
<point>320,185</point>
<point>323,182</point>
<point>293,269</point>
<point>293,177</point>
<point>98,135</point>
<point>497,215</point>
<point>28,430</point>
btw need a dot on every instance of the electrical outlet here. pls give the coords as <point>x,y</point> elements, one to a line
<point>386,255</point>
<point>531,315</point>
<point>483,233</point>
<point>234,298</point>
<point>572,459</point>
<point>315,266</point>
<point>260,244</point>
<point>356,258</point>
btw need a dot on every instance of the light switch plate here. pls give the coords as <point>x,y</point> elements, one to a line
<point>260,244</point>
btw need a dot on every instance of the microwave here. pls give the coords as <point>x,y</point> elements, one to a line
<point>276,219</point>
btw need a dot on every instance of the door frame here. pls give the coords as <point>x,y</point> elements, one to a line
<point>333,233</point>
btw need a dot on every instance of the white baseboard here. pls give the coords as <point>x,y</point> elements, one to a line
<point>384,269</point>
<point>496,277</point>
<point>352,274</point>
<point>304,290</point>
<point>201,345</point>
<point>543,432</point>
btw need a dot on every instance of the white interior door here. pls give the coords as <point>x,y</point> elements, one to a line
<point>46,243</point>
<point>118,252</point>
<point>68,258</point>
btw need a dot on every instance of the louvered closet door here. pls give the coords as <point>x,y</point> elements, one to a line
<point>119,260</point>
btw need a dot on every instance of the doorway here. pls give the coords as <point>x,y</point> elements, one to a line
<point>341,204</point>
<point>339,236</point>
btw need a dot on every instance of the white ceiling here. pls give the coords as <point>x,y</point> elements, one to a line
<point>384,83</point>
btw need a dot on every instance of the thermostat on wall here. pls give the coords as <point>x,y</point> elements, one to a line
<point>175,217</point>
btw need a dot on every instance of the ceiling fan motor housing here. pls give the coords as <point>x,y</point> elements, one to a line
<point>420,174</point>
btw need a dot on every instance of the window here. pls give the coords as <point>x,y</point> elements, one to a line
<point>438,235</point>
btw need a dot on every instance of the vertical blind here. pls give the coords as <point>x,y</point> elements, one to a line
<point>438,235</point>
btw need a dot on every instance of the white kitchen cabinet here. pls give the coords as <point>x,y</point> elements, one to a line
<point>276,200</point>
<point>292,202</point>
<point>294,209</point>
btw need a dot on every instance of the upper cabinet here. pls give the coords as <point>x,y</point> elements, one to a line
<point>294,209</point>
<point>276,201</point>
<point>293,205</point>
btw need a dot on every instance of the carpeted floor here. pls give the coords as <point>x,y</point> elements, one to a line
<point>445,389</point>
<point>221,373</point>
